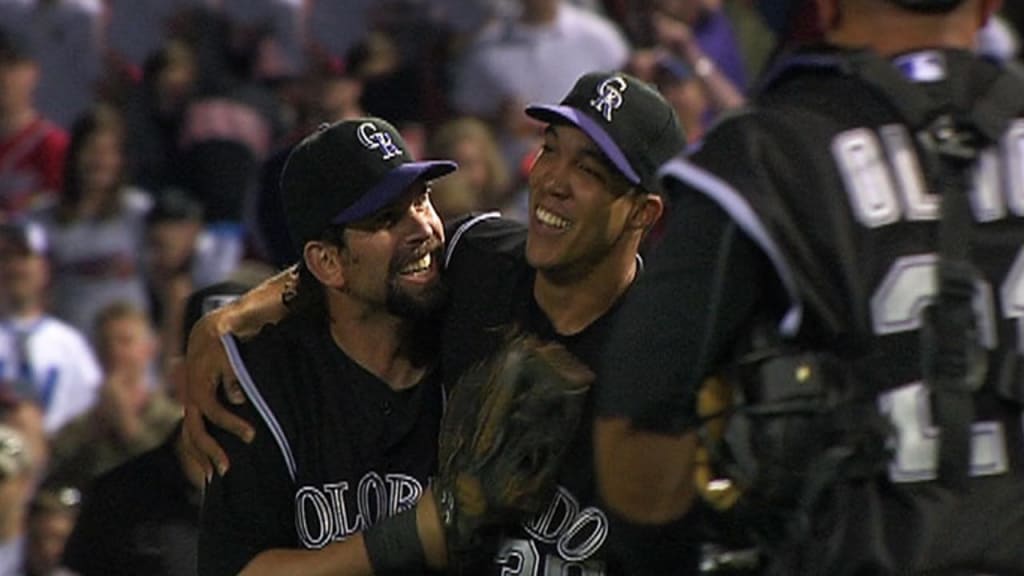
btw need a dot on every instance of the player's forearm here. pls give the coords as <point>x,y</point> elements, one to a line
<point>351,556</point>
<point>345,558</point>
<point>261,305</point>
<point>645,477</point>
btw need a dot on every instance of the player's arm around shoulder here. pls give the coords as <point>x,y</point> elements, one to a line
<point>208,368</point>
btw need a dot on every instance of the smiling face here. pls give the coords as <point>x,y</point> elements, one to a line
<point>579,205</point>
<point>392,260</point>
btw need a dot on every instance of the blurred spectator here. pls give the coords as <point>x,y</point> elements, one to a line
<point>67,38</point>
<point>141,517</point>
<point>16,486</point>
<point>534,57</point>
<point>24,415</point>
<point>711,31</point>
<point>754,38</point>
<point>32,148</point>
<point>174,233</point>
<point>482,181</point>
<point>390,84</point>
<point>136,29</point>
<point>334,27</point>
<point>51,518</point>
<point>123,530</point>
<point>154,114</point>
<point>51,360</point>
<point>133,413</point>
<point>678,38</point>
<point>97,227</point>
<point>335,92</point>
<point>683,90</point>
<point>279,25</point>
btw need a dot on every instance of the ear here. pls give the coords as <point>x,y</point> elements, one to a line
<point>325,263</point>
<point>646,211</point>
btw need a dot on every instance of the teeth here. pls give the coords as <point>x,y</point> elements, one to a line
<point>551,219</point>
<point>419,265</point>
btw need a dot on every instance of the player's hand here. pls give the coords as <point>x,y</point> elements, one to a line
<point>207,367</point>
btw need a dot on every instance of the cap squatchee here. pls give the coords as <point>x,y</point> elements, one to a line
<point>632,124</point>
<point>346,171</point>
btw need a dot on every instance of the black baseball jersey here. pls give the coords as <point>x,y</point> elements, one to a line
<point>491,289</point>
<point>819,190</point>
<point>336,449</point>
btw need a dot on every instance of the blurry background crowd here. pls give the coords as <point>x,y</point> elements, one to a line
<point>140,146</point>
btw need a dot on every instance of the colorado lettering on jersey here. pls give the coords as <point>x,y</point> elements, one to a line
<point>563,539</point>
<point>332,512</point>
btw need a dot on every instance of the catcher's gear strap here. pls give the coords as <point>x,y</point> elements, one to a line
<point>393,545</point>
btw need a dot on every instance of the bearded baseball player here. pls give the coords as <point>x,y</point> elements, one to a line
<point>345,395</point>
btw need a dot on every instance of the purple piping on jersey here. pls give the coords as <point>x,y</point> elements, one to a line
<point>454,241</point>
<point>592,129</point>
<point>394,184</point>
<point>737,207</point>
<point>249,386</point>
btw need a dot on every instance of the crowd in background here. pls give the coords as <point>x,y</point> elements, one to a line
<point>140,147</point>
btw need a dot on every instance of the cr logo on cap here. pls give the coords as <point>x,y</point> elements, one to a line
<point>374,139</point>
<point>609,97</point>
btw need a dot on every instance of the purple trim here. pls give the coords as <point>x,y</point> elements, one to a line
<point>581,120</point>
<point>393,185</point>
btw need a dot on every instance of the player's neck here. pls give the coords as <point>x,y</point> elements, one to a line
<point>573,304</point>
<point>898,32</point>
<point>381,343</point>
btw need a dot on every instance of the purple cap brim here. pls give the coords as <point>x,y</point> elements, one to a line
<point>392,186</point>
<point>549,114</point>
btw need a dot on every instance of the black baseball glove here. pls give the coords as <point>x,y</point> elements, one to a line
<point>506,429</point>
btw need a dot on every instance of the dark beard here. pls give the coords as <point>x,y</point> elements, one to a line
<point>422,306</point>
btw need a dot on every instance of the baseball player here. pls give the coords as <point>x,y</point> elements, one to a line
<point>560,279</point>
<point>344,395</point>
<point>860,220</point>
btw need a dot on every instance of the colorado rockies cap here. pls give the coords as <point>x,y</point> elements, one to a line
<point>346,171</point>
<point>635,127</point>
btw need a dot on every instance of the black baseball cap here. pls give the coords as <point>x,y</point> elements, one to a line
<point>345,172</point>
<point>628,119</point>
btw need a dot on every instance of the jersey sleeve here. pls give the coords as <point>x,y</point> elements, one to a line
<point>676,322</point>
<point>478,240</point>
<point>250,509</point>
